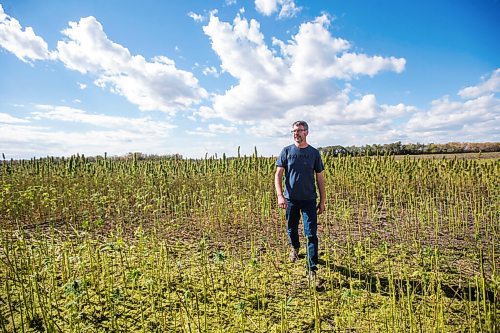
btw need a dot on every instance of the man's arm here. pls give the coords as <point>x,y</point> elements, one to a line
<point>278,184</point>
<point>320,180</point>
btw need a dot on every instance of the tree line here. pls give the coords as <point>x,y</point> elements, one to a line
<point>397,148</point>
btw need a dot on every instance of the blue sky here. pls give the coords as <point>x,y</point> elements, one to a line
<point>204,77</point>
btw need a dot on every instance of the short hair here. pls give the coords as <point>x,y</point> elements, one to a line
<point>301,123</point>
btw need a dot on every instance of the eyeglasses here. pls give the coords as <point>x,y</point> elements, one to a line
<point>298,131</point>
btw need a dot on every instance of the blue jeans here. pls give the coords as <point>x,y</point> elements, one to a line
<point>310,220</point>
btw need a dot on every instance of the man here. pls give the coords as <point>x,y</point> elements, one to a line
<point>300,162</point>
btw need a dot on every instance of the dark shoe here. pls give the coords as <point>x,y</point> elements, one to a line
<point>294,254</point>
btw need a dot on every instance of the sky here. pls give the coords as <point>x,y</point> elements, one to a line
<point>202,78</point>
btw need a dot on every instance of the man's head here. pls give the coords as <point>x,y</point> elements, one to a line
<point>300,130</point>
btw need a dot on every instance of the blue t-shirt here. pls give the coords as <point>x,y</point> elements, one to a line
<point>300,165</point>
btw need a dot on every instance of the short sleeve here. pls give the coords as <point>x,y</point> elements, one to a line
<point>281,161</point>
<point>318,164</point>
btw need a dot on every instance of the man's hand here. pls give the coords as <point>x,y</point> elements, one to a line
<point>278,183</point>
<point>321,207</point>
<point>282,202</point>
<point>320,179</point>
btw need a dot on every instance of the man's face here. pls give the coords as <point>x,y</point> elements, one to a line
<point>299,134</point>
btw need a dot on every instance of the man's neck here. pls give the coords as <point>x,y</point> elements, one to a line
<point>301,145</point>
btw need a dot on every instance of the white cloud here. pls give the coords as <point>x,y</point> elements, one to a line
<point>364,121</point>
<point>270,129</point>
<point>313,51</point>
<point>268,7</point>
<point>24,44</point>
<point>201,132</point>
<point>25,141</point>
<point>69,114</point>
<point>288,9</point>
<point>352,64</point>
<point>151,85</point>
<point>219,128</point>
<point>101,133</point>
<point>446,115</point>
<point>196,17</point>
<point>492,85</point>
<point>274,86</point>
<point>206,112</point>
<point>398,110</point>
<point>475,119</point>
<point>362,111</point>
<point>211,71</point>
<point>8,119</point>
<point>213,129</point>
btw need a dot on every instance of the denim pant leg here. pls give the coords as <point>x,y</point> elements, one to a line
<point>310,220</point>
<point>293,218</point>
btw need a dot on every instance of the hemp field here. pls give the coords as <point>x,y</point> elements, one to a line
<point>406,245</point>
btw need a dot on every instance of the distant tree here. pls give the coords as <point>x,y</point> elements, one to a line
<point>334,151</point>
<point>397,148</point>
